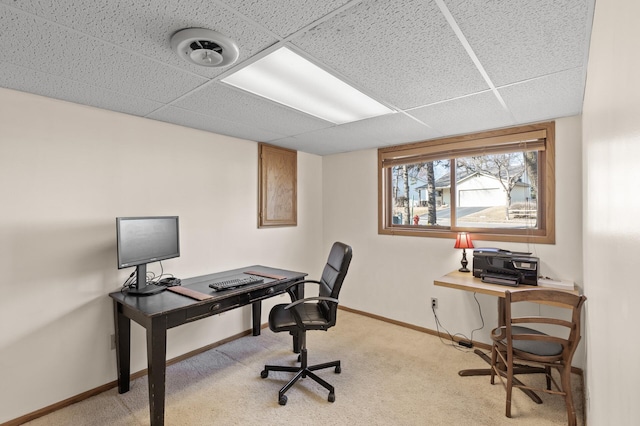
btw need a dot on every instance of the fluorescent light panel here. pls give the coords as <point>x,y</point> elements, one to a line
<point>287,78</point>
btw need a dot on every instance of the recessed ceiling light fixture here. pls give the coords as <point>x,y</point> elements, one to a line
<point>287,78</point>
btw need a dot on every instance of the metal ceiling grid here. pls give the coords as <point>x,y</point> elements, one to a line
<point>443,65</point>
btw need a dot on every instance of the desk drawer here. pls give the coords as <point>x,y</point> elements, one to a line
<point>266,292</point>
<point>215,307</point>
<point>262,293</point>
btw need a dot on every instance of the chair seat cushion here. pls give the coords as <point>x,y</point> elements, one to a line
<point>281,319</point>
<point>532,346</point>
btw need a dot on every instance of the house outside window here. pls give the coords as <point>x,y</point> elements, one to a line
<point>497,185</point>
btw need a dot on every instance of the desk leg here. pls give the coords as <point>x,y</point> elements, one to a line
<point>486,371</point>
<point>156,362</point>
<point>256,315</point>
<point>256,312</point>
<point>297,340</point>
<point>123,347</point>
<point>477,371</point>
<point>516,369</point>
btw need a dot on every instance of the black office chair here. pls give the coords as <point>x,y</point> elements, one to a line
<point>300,315</point>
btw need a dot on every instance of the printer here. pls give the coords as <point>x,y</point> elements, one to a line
<point>504,267</point>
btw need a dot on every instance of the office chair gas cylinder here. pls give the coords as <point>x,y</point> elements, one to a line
<point>311,313</point>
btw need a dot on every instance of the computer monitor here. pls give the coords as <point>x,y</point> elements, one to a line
<point>143,240</point>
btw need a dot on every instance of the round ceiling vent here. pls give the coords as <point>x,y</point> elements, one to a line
<point>203,47</point>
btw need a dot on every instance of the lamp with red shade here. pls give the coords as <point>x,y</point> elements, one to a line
<point>463,241</point>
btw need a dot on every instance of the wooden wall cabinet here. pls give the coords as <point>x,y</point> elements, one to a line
<point>277,186</point>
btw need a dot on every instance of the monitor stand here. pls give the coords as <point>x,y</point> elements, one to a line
<point>144,289</point>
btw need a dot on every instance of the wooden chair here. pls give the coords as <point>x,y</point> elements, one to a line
<point>514,344</point>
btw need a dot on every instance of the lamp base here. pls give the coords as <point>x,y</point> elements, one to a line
<point>464,262</point>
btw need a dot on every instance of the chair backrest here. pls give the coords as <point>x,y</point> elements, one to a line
<point>562,299</point>
<point>334,273</point>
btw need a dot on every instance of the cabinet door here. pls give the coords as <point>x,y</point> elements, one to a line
<point>277,173</point>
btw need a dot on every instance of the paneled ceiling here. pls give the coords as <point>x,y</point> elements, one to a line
<point>446,67</point>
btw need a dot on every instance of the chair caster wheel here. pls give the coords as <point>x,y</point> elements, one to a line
<point>332,397</point>
<point>338,370</point>
<point>264,374</point>
<point>283,400</point>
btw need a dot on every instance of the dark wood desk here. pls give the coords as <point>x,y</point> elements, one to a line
<point>162,311</point>
<point>466,281</point>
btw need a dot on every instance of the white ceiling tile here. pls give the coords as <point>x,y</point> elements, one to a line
<point>219,100</point>
<point>52,86</point>
<point>146,26</point>
<point>402,52</point>
<point>520,39</point>
<point>465,115</point>
<point>390,129</point>
<point>196,120</point>
<point>545,98</point>
<point>39,45</point>
<point>285,17</point>
<point>321,142</point>
<point>292,143</point>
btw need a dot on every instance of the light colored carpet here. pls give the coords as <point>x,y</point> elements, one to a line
<point>390,375</point>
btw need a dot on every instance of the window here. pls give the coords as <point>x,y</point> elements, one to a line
<point>498,185</point>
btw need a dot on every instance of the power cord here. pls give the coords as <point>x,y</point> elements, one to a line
<point>461,346</point>
<point>164,279</point>
<point>151,278</point>
<point>128,283</point>
<point>451,342</point>
<point>481,317</point>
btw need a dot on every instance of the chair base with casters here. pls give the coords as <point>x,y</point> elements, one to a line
<point>311,313</point>
<point>303,371</point>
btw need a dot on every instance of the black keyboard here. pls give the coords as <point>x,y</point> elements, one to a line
<point>235,282</point>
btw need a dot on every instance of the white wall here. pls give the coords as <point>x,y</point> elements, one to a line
<point>392,276</point>
<point>611,131</point>
<point>66,172</point>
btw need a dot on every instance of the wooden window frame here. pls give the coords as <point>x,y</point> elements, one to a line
<point>277,186</point>
<point>540,135</point>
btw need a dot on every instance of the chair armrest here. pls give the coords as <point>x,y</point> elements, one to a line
<point>307,299</point>
<point>289,288</point>
<point>296,315</point>
<point>301,282</point>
